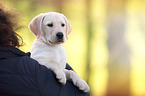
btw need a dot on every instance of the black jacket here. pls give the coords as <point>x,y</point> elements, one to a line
<point>22,76</point>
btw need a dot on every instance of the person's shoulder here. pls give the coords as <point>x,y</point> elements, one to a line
<point>27,61</point>
<point>32,67</point>
<point>46,79</point>
<point>26,65</point>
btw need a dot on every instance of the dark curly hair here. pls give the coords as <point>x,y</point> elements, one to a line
<point>8,37</point>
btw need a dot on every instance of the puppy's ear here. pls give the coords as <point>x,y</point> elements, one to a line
<point>35,24</point>
<point>68,27</point>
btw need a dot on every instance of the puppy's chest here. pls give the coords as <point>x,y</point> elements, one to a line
<point>60,53</point>
<point>61,57</point>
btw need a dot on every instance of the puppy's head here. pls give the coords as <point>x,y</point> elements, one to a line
<point>51,27</point>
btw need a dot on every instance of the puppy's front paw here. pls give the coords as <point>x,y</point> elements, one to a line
<point>61,77</point>
<point>83,86</point>
<point>77,81</point>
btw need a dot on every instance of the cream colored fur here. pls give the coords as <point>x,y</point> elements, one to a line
<point>48,50</point>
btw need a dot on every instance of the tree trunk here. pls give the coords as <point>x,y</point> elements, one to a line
<point>119,52</point>
<point>89,40</point>
<point>59,5</point>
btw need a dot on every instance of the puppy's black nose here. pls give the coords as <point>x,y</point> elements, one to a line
<point>59,35</point>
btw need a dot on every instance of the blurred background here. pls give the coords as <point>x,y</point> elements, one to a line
<point>106,46</point>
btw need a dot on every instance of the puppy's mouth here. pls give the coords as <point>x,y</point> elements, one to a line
<point>59,41</point>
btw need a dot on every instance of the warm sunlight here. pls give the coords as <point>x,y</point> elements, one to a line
<point>117,41</point>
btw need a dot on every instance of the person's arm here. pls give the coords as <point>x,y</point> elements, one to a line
<point>49,86</point>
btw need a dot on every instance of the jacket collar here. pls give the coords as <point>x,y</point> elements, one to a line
<point>9,52</point>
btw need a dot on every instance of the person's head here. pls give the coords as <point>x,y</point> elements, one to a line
<point>8,37</point>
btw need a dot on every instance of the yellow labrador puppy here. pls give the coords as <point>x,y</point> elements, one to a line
<point>51,30</point>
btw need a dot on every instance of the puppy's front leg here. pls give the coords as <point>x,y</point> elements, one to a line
<point>77,81</point>
<point>56,68</point>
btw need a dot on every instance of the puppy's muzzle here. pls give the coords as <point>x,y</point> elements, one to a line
<point>59,36</point>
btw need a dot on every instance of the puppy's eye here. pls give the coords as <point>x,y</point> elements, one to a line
<point>62,24</point>
<point>50,25</point>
